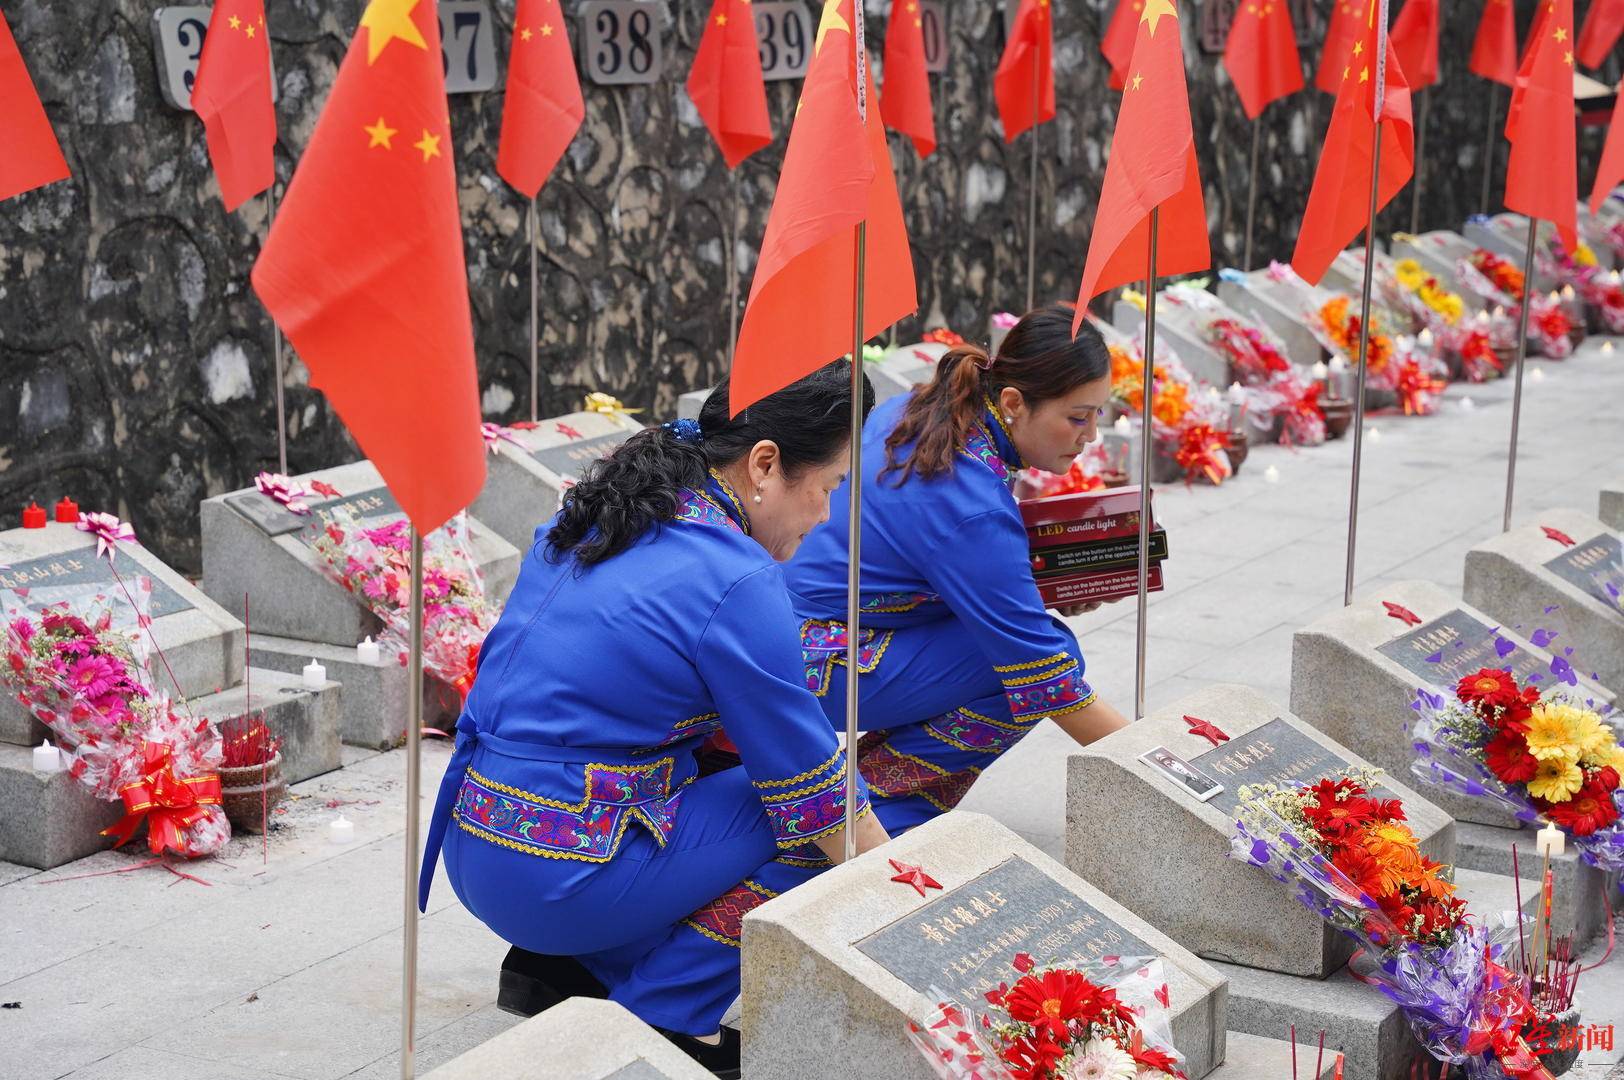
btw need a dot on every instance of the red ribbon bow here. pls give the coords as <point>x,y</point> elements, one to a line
<point>1199,452</point>
<point>167,804</point>
<point>465,682</point>
<point>1416,389</point>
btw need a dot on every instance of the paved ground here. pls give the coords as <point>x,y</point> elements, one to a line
<point>287,963</point>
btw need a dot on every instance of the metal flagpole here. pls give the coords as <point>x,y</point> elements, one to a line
<point>854,533</point>
<point>1420,162</point>
<point>1364,301</point>
<point>1522,355</point>
<point>1251,191</point>
<point>1146,451</point>
<point>1488,149</point>
<point>1032,193</point>
<point>535,323</point>
<point>414,770</point>
<point>732,264</point>
<point>276,349</point>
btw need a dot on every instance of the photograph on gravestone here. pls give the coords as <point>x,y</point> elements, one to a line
<point>76,578</point>
<point>1182,773</point>
<point>1275,753</point>
<point>963,942</point>
<point>1596,568</point>
<point>1456,644</point>
<point>571,459</point>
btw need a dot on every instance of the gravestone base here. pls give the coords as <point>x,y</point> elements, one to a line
<point>1439,253</point>
<point>526,477</point>
<point>1612,505</point>
<point>289,591</point>
<point>578,1039</point>
<point>1509,577</point>
<point>835,967</point>
<point>1254,1057</point>
<point>1354,674</point>
<point>373,704</point>
<point>1271,303</point>
<point>1582,892</point>
<point>49,818</point>
<point>305,721</point>
<point>1184,882</point>
<point>200,640</point>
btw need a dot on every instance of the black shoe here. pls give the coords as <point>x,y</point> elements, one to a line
<point>720,1060</point>
<point>532,982</point>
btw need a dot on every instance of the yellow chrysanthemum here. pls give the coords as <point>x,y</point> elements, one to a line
<point>1593,735</point>
<point>1409,273</point>
<point>1604,756</point>
<point>1556,781</point>
<point>1584,256</point>
<point>1553,732</point>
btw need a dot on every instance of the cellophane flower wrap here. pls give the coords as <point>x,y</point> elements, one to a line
<point>1601,290</point>
<point>1498,281</point>
<point>1346,854</point>
<point>1189,422</point>
<point>1544,756</point>
<point>374,563</point>
<point>1107,1022</point>
<point>82,669</point>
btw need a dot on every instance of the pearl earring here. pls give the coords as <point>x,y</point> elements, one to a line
<point>758,497</point>
<point>1008,419</point>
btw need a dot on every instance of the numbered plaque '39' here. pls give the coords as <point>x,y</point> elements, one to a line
<point>621,41</point>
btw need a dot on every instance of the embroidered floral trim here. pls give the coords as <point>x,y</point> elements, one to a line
<point>590,830</point>
<point>1042,676</point>
<point>978,446</point>
<point>733,497</point>
<point>723,918</point>
<point>698,508</point>
<point>898,601</point>
<point>823,645</point>
<point>800,778</point>
<point>1009,436</point>
<point>693,727</point>
<point>891,774</point>
<point>1060,691</point>
<point>1030,664</point>
<point>810,811</point>
<point>967,730</point>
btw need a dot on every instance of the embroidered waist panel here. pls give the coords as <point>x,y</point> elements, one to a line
<point>589,830</point>
<point>823,645</point>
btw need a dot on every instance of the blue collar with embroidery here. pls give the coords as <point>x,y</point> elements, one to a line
<point>1001,441</point>
<point>722,494</point>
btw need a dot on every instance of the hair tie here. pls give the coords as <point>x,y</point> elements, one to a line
<point>986,361</point>
<point>687,431</point>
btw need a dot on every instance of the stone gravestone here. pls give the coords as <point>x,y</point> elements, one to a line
<point>1283,306</point>
<point>1507,236</point>
<point>58,564</point>
<point>529,470</point>
<point>1347,273</point>
<point>578,1039</point>
<point>1612,504</point>
<point>1177,326</point>
<point>1186,884</point>
<point>894,374</point>
<point>1440,254</point>
<point>1354,674</point>
<point>1526,578</point>
<point>833,970</point>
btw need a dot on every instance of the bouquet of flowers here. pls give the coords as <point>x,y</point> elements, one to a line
<point>1337,328</point>
<point>1057,1023</point>
<point>1349,857</point>
<point>1578,270</point>
<point>375,565</point>
<point>1190,426</point>
<point>89,682</point>
<point>1424,296</point>
<point>1087,473</point>
<point>1496,280</point>
<point>1541,756</point>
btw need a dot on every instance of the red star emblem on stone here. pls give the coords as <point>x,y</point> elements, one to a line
<point>1402,614</point>
<point>321,487</point>
<point>567,431</point>
<point>1558,535</point>
<point>1206,730</point>
<point>915,876</point>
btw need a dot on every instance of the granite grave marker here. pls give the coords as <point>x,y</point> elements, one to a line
<point>577,1039</point>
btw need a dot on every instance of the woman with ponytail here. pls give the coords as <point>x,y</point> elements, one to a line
<point>959,659</point>
<point>650,614</point>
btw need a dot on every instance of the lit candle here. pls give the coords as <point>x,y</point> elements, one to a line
<point>1615,277</point>
<point>1607,347</point>
<point>1483,318</point>
<point>1550,841</point>
<point>33,516</point>
<point>1122,427</point>
<point>1555,297</point>
<point>315,676</point>
<point>1338,364</point>
<point>1538,374</point>
<point>1424,338</point>
<point>1499,311</point>
<point>367,652</point>
<point>1237,394</point>
<point>67,511</point>
<point>47,758</point>
<point>1319,371</point>
<point>341,830</point>
<point>1374,434</point>
<point>1467,404</point>
<point>1271,475</point>
<point>1567,292</point>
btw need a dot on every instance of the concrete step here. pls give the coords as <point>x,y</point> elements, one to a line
<point>48,818</point>
<point>1254,1057</point>
<point>1490,895</point>
<point>1582,891</point>
<point>306,721</point>
<point>373,712</point>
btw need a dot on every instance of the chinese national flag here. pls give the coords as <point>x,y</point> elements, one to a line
<point>1603,23</point>
<point>1024,82</point>
<point>1152,164</point>
<point>29,154</point>
<point>726,83</point>
<point>1494,49</point>
<point>542,108</point>
<point>364,271</point>
<point>1347,20</point>
<point>1542,175</point>
<point>1611,171</point>
<point>1260,54</point>
<point>1340,199</point>
<point>1120,34</point>
<point>232,96</point>
<point>905,97</point>
<point>1415,42</point>
<point>837,174</point>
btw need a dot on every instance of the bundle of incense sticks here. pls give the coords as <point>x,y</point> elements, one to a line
<point>1319,1058</point>
<point>1551,969</point>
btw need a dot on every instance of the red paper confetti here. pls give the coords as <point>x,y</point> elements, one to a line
<point>322,487</point>
<point>1402,614</point>
<point>1558,535</point>
<point>915,876</point>
<point>1206,730</point>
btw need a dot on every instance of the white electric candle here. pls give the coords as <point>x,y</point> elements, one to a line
<point>1122,426</point>
<point>1338,364</point>
<point>1237,394</point>
<point>1374,434</point>
<point>1607,347</point>
<point>1271,475</point>
<point>1567,292</point>
<point>341,830</point>
<point>1538,374</point>
<point>1550,841</point>
<point>367,652</point>
<point>1483,318</point>
<point>1555,297</point>
<point>1467,404</point>
<point>1499,311</point>
<point>1424,338</point>
<point>47,758</point>
<point>1319,371</point>
<point>315,676</point>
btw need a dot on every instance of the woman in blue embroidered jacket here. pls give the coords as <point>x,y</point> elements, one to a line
<point>959,658</point>
<point>650,614</point>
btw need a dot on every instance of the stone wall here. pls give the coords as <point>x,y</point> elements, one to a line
<point>135,365</point>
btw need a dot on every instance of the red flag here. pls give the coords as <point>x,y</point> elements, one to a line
<point>1120,34</point>
<point>364,269</point>
<point>1260,54</point>
<point>31,157</point>
<point>1611,171</point>
<point>905,97</point>
<point>1347,21</point>
<point>542,109</point>
<point>1024,82</point>
<point>1542,175</point>
<point>1340,199</point>
<point>1152,164</point>
<point>836,174</point>
<point>1494,49</point>
<point>1603,23</point>
<point>726,85</point>
<point>1415,42</point>
<point>232,96</point>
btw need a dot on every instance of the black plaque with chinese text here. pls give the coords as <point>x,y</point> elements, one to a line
<point>1595,567</point>
<point>373,507</point>
<point>571,459</point>
<point>1455,645</point>
<point>77,577</point>
<point>1275,753</point>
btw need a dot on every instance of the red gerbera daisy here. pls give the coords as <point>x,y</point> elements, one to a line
<point>1360,867</point>
<point>1507,757</point>
<point>1493,688</point>
<point>1033,1058</point>
<point>1152,1058</point>
<point>1591,809</point>
<point>1050,1001</point>
<point>1339,808</point>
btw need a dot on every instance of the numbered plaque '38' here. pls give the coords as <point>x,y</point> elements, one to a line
<point>621,41</point>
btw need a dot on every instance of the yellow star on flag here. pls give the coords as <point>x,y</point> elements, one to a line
<point>429,144</point>
<point>525,34</point>
<point>1137,79</point>
<point>546,29</point>
<point>250,30</point>
<point>236,23</point>
<point>387,20</point>
<point>1358,48</point>
<point>1156,10</point>
<point>1567,58</point>
<point>830,20</point>
<point>721,20</point>
<point>1561,33</point>
<point>1345,73</point>
<point>381,134</point>
<point>1364,76</point>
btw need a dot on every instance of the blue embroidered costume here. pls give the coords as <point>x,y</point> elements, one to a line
<point>571,818</point>
<point>959,659</point>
